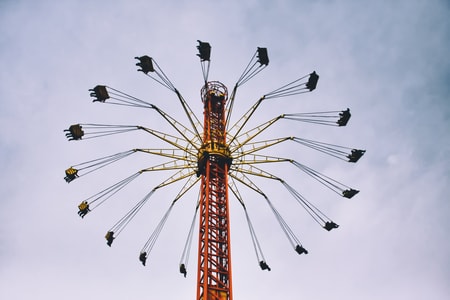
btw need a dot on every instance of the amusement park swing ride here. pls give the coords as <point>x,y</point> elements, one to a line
<point>222,156</point>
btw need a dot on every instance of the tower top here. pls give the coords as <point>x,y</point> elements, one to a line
<point>214,90</point>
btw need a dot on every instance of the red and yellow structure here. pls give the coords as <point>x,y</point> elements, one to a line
<point>214,160</point>
<point>203,153</point>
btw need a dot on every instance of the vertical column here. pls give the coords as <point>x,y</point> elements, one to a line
<point>214,264</point>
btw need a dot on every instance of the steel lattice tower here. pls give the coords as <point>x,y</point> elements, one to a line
<point>214,258</point>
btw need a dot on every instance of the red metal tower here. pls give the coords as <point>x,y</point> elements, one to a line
<point>214,257</point>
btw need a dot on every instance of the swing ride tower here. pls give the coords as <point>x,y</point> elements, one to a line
<point>214,160</point>
<point>222,155</point>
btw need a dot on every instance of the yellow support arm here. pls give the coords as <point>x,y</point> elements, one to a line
<point>181,174</point>
<point>242,178</point>
<point>244,119</point>
<point>187,186</point>
<point>183,130</point>
<point>252,133</point>
<point>258,159</point>
<point>256,146</point>
<point>252,170</point>
<point>171,165</point>
<point>172,140</point>
<point>171,153</point>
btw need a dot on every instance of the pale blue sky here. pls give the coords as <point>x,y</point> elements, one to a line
<point>386,60</point>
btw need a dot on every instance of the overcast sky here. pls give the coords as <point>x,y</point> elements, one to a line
<point>385,60</point>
